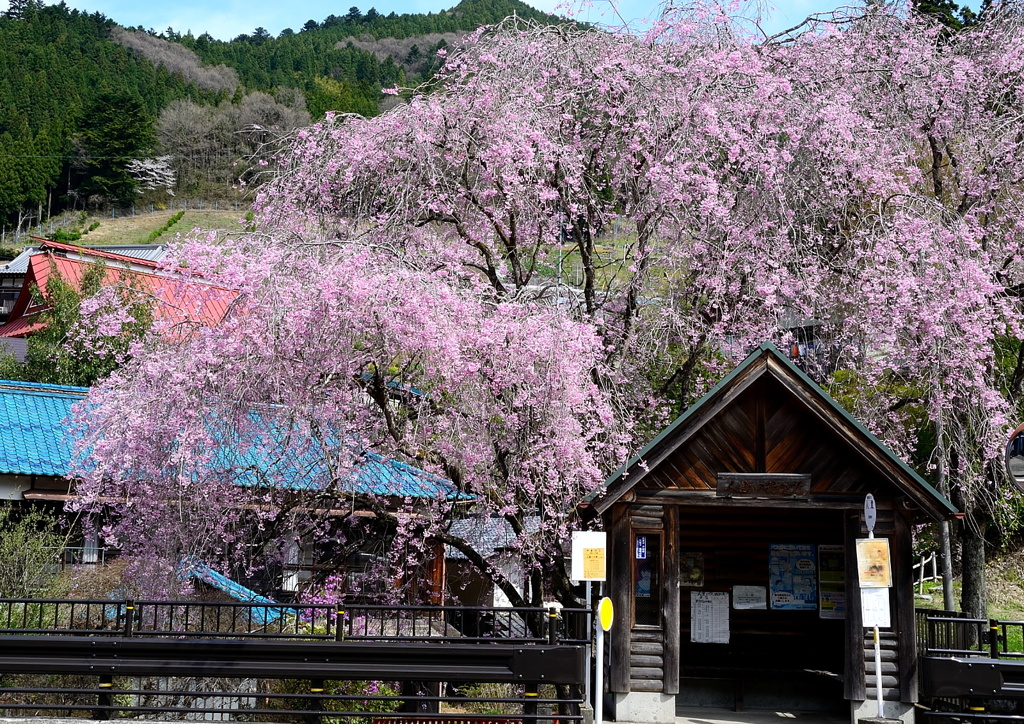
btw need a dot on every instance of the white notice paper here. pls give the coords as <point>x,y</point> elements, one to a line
<point>874,607</point>
<point>709,617</point>
<point>749,597</point>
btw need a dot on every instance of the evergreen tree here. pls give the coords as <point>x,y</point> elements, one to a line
<point>115,129</point>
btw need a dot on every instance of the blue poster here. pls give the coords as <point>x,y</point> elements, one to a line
<point>792,571</point>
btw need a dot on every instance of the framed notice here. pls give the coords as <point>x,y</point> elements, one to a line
<point>691,570</point>
<point>874,607</point>
<point>588,555</point>
<point>831,581</point>
<point>873,568</point>
<point>792,573</point>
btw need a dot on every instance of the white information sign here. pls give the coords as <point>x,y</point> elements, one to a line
<point>874,607</point>
<point>589,555</point>
<point>709,617</point>
<point>749,597</point>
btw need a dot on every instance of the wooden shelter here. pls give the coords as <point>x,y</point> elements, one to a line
<point>733,568</point>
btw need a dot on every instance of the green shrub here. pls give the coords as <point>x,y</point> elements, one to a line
<point>30,549</point>
<point>371,690</point>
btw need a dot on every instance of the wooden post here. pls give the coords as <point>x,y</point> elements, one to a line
<point>854,685</point>
<point>671,606</point>
<point>621,593</point>
<point>903,580</point>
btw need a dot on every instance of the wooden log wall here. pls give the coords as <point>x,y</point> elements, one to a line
<point>647,644</point>
<point>890,666</point>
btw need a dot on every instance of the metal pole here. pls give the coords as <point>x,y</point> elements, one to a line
<point>586,683</point>
<point>878,677</point>
<point>878,660</point>
<point>599,673</point>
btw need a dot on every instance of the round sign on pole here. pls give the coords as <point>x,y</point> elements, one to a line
<point>869,512</point>
<point>605,613</point>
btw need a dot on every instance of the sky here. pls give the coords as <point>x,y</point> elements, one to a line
<point>227,19</point>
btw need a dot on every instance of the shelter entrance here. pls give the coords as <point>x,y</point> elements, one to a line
<point>736,528</point>
<point>761,606</point>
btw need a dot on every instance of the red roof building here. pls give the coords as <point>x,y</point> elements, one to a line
<point>178,301</point>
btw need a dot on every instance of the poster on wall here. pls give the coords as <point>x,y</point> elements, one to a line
<point>691,569</point>
<point>709,617</point>
<point>792,571</point>
<point>831,581</point>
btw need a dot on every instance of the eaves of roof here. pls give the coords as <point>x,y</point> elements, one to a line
<point>852,428</point>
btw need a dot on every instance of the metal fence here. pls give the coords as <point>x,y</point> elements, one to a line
<point>273,662</point>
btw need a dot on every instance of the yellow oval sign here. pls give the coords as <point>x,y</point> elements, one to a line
<point>605,613</point>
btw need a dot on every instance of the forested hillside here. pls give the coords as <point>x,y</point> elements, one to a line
<point>342,58</point>
<point>93,114</point>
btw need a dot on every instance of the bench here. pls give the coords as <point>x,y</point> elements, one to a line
<point>745,667</point>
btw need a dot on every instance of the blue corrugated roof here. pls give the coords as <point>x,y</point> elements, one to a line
<point>34,442</point>
<point>299,465</point>
<point>271,447</point>
<point>32,429</point>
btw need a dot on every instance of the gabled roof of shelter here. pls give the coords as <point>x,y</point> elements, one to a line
<point>766,364</point>
<point>32,420</point>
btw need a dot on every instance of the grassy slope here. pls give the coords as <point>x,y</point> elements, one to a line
<point>136,229</point>
<point>1004,581</point>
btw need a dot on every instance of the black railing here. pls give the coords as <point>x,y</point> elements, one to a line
<point>462,624</point>
<point>176,699</point>
<point>952,633</point>
<point>309,664</point>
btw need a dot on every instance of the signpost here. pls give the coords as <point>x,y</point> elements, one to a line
<point>875,576</point>
<point>589,563</point>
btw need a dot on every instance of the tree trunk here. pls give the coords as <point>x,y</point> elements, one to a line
<point>946,552</point>
<point>972,560</point>
<point>946,561</point>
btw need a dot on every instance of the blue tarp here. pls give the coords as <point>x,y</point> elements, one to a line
<point>202,572</point>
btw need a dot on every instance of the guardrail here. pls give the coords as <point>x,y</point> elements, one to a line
<point>972,669</point>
